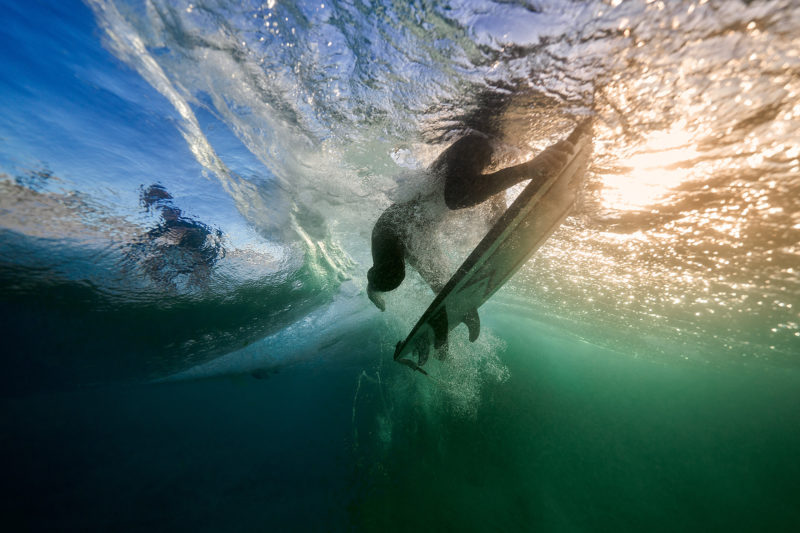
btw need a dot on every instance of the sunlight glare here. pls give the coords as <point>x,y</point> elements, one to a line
<point>660,164</point>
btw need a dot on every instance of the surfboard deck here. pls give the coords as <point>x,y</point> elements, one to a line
<point>535,214</point>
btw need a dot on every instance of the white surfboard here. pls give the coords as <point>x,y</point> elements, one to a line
<point>536,213</point>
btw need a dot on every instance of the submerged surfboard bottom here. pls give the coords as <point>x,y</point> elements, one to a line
<point>536,213</point>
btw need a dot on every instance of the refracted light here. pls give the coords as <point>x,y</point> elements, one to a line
<point>661,163</point>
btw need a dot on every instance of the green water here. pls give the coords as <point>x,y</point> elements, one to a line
<point>582,439</point>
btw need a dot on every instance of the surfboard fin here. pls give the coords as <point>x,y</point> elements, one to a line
<point>439,325</point>
<point>421,350</point>
<point>473,323</point>
<point>412,365</point>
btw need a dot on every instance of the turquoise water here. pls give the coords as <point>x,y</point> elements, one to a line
<point>187,191</point>
<point>583,439</point>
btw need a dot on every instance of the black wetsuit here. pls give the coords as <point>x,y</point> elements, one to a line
<point>461,166</point>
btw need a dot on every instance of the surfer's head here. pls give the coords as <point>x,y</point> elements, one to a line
<point>155,194</point>
<point>387,275</point>
<point>388,251</point>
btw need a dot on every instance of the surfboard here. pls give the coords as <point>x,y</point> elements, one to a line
<point>528,222</point>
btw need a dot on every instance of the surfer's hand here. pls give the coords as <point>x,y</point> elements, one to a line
<point>584,127</point>
<point>552,159</point>
<point>376,298</point>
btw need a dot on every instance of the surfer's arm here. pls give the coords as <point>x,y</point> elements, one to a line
<point>466,189</point>
<point>476,189</point>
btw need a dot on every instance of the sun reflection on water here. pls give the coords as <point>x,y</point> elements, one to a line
<point>660,164</point>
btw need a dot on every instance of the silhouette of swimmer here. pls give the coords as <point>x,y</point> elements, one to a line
<point>398,232</point>
<point>177,245</point>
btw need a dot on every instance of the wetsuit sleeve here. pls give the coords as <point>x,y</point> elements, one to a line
<point>465,186</point>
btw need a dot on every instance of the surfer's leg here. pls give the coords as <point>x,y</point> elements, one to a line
<point>388,256</point>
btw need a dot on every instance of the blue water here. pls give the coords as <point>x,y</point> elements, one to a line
<point>187,191</point>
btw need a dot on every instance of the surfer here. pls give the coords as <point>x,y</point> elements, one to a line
<point>178,246</point>
<point>398,232</point>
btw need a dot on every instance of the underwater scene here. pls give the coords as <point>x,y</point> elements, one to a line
<point>191,336</point>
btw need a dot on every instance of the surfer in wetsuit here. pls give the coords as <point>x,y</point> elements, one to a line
<point>460,169</point>
<point>178,246</point>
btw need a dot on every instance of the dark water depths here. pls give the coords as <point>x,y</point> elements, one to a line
<point>186,195</point>
<point>220,455</point>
